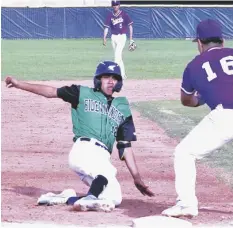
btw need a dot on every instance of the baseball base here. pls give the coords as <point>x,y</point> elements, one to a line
<point>160,222</point>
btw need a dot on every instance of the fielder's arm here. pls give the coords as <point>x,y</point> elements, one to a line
<point>43,90</point>
<point>130,32</point>
<point>191,100</point>
<point>105,35</point>
<point>189,96</point>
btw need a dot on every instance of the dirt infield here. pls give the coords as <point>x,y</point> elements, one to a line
<point>37,137</point>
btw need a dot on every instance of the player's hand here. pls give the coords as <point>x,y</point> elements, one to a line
<point>142,187</point>
<point>11,82</point>
<point>104,41</point>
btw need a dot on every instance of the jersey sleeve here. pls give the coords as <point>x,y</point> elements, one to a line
<point>126,130</point>
<point>128,19</point>
<point>108,21</point>
<point>69,94</point>
<point>186,84</point>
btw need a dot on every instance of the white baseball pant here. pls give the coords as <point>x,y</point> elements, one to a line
<point>118,44</point>
<point>88,161</point>
<point>211,133</point>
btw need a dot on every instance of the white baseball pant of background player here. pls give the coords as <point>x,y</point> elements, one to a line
<point>118,44</point>
<point>88,161</point>
<point>211,133</point>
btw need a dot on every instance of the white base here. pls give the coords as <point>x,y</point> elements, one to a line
<point>161,222</point>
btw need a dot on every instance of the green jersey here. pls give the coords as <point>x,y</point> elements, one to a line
<point>97,116</point>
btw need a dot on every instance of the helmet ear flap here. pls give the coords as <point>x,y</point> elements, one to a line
<point>97,83</point>
<point>118,86</point>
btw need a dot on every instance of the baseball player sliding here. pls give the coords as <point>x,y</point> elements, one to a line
<point>98,120</point>
<point>208,78</point>
<point>118,21</point>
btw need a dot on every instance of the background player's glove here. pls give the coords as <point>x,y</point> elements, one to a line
<point>143,188</point>
<point>132,45</point>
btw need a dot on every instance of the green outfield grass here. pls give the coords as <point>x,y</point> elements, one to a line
<point>77,59</point>
<point>178,120</point>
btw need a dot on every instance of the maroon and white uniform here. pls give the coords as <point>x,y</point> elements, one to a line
<point>118,23</point>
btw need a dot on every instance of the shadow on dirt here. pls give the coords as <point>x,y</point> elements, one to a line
<point>31,191</point>
<point>138,208</point>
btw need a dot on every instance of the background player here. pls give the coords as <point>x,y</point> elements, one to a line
<point>118,21</point>
<point>208,78</point>
<point>98,120</point>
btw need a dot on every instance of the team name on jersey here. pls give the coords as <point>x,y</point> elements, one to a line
<point>117,20</point>
<point>99,107</point>
<point>115,115</point>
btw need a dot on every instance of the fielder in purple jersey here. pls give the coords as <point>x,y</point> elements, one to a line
<point>119,22</point>
<point>207,79</point>
<point>209,74</point>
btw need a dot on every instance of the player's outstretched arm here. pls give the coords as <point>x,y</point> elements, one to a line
<point>43,90</point>
<point>132,166</point>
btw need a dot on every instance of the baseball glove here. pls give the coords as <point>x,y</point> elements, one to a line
<point>132,45</point>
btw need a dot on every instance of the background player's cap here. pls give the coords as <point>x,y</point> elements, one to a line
<point>115,3</point>
<point>208,29</point>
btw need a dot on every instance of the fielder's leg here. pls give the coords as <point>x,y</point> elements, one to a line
<point>113,41</point>
<point>120,40</point>
<point>211,133</point>
<point>114,44</point>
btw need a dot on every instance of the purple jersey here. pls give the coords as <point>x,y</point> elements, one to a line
<point>118,22</point>
<point>211,74</point>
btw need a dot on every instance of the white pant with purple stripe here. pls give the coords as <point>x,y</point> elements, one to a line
<point>118,44</point>
<point>211,133</point>
<point>89,160</point>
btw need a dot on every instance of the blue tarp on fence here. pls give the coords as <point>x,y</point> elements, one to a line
<point>149,22</point>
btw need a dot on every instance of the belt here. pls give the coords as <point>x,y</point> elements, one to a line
<point>96,143</point>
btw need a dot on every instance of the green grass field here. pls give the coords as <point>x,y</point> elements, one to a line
<point>178,120</point>
<point>77,59</point>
